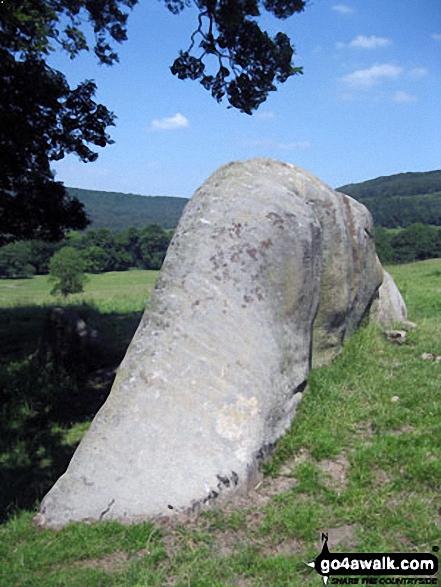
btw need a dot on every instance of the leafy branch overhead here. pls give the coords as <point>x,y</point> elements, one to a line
<point>248,61</point>
<point>37,27</point>
<point>42,118</point>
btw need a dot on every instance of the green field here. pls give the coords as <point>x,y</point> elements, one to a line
<point>117,291</point>
<point>362,460</point>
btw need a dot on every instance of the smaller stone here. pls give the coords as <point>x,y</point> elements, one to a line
<point>398,336</point>
<point>394,399</point>
<point>427,357</point>
<point>438,359</point>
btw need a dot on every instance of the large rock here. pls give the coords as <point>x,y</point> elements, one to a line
<point>388,307</point>
<point>268,272</point>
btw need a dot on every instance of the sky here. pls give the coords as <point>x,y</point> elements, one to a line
<point>367,105</point>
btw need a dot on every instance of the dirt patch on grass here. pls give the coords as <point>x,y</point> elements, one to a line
<point>224,543</point>
<point>341,538</point>
<point>270,487</point>
<point>401,430</point>
<point>406,544</point>
<point>255,499</point>
<point>285,547</point>
<point>364,430</point>
<point>115,562</point>
<point>195,532</point>
<point>228,543</point>
<point>336,471</point>
<point>300,457</point>
<point>381,477</point>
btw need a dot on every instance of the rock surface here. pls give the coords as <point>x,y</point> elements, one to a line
<point>267,273</point>
<point>388,306</point>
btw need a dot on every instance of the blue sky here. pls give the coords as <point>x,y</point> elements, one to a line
<point>368,103</point>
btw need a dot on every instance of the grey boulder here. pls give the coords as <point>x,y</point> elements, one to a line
<point>268,272</point>
<point>388,306</point>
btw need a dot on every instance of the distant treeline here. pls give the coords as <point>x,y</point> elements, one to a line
<point>400,200</point>
<point>402,212</point>
<point>118,211</point>
<point>102,250</point>
<point>401,184</point>
<point>415,243</point>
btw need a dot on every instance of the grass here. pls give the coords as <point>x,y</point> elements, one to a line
<point>44,411</point>
<point>362,462</point>
<point>116,291</point>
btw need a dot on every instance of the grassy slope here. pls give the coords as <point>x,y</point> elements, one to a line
<point>355,463</point>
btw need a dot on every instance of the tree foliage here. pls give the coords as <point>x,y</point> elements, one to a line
<point>399,184</point>
<point>397,201</point>
<point>66,270</point>
<point>15,261</point>
<point>101,250</point>
<point>247,62</point>
<point>118,211</point>
<point>42,118</point>
<point>415,243</point>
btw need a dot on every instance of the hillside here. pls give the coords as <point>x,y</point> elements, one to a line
<point>401,199</point>
<point>394,201</point>
<point>401,184</point>
<point>118,211</point>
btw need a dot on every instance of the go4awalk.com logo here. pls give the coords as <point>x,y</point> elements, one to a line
<point>407,569</point>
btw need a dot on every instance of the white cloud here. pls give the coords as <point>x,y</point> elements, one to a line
<point>265,115</point>
<point>404,98</point>
<point>436,36</point>
<point>171,123</point>
<point>371,42</point>
<point>418,72</point>
<point>366,78</point>
<point>342,8</point>
<point>293,146</point>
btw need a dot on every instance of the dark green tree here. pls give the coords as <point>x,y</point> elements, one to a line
<point>16,261</point>
<point>383,239</point>
<point>153,241</point>
<point>134,246</point>
<point>41,253</point>
<point>96,259</point>
<point>101,237</point>
<point>415,243</point>
<point>66,269</point>
<point>42,118</point>
<point>123,254</point>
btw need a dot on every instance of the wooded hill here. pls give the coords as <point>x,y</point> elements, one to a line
<point>400,200</point>
<point>117,211</point>
<point>394,201</point>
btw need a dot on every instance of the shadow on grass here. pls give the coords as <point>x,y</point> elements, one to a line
<point>45,408</point>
